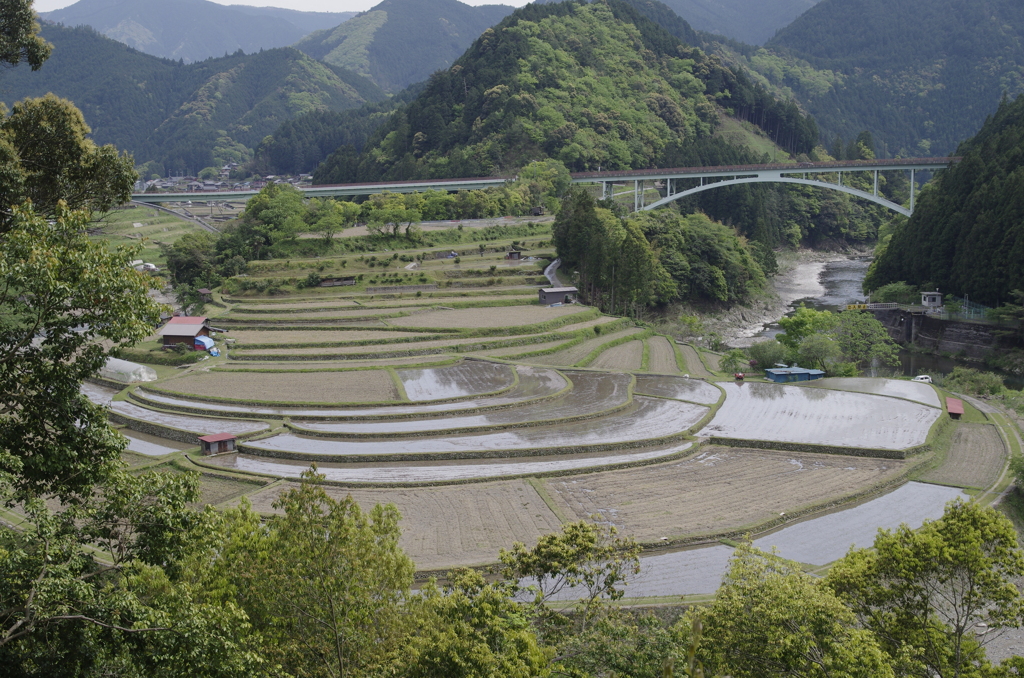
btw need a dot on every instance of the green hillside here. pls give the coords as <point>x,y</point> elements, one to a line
<point>920,76</point>
<point>193,30</point>
<point>399,42</point>
<point>967,232</point>
<point>592,85</point>
<point>749,22</point>
<point>183,116</point>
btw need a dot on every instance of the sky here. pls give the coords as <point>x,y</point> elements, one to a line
<point>304,5</point>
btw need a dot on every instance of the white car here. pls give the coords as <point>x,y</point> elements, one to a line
<point>922,379</point>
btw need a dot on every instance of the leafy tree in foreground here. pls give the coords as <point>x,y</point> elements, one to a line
<point>922,593</point>
<point>19,39</point>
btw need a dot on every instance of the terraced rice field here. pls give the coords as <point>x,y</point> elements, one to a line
<point>626,356</point>
<point>679,388</point>
<point>755,411</point>
<point>694,366</point>
<point>570,356</point>
<point>272,337</point>
<point>433,346</point>
<point>519,350</point>
<point>592,394</point>
<point>101,395</point>
<point>359,386</point>
<point>152,446</point>
<point>647,419</point>
<point>897,388</point>
<point>332,365</point>
<point>975,459</point>
<point>661,356</point>
<point>184,422</point>
<point>505,316</point>
<point>467,378</point>
<point>338,314</point>
<point>717,490</point>
<point>455,470</point>
<point>452,526</point>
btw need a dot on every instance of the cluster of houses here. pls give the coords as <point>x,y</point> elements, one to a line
<point>188,184</point>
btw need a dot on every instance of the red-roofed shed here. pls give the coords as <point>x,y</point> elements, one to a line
<point>184,330</point>
<point>955,407</point>
<point>218,443</point>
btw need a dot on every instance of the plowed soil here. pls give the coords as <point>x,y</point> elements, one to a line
<point>626,356</point>
<point>661,356</point>
<point>570,356</point>
<point>361,386</point>
<point>975,459</point>
<point>716,490</point>
<point>694,366</point>
<point>499,316</point>
<point>451,526</point>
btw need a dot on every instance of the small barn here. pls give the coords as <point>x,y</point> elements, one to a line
<point>955,407</point>
<point>557,295</point>
<point>183,330</point>
<point>205,293</point>
<point>218,443</point>
<point>785,375</point>
<point>513,254</point>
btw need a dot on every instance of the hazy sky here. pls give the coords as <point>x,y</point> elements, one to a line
<point>306,5</point>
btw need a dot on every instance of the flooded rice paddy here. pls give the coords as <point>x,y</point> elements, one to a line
<point>592,393</point>
<point>101,395</point>
<point>646,419</point>
<point>755,411</point>
<point>897,388</point>
<point>152,446</point>
<point>398,472</point>
<point>679,388</point>
<point>465,379</point>
<point>186,422</point>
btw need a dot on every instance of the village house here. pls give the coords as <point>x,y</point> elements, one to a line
<point>184,330</point>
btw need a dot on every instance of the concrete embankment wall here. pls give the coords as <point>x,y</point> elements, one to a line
<point>975,340</point>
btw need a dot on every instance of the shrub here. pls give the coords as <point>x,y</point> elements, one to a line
<point>975,382</point>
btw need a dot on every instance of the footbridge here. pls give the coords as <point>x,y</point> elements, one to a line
<point>671,184</point>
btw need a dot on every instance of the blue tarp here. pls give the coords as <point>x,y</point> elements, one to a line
<point>203,343</point>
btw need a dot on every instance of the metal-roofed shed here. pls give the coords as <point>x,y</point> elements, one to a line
<point>785,375</point>
<point>184,330</point>
<point>557,295</point>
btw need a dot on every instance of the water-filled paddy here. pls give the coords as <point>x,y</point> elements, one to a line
<point>898,388</point>
<point>694,390</point>
<point>101,395</point>
<point>592,393</point>
<point>152,446</point>
<point>464,379</point>
<point>187,422</point>
<point>648,418</point>
<point>398,472</point>
<point>755,411</point>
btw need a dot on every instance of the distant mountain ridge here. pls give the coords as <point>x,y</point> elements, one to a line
<point>194,30</point>
<point>184,116</point>
<point>400,42</point>
<point>742,20</point>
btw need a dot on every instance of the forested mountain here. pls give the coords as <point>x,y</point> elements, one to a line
<point>183,116</point>
<point>399,42</point>
<point>742,20</point>
<point>921,76</point>
<point>193,30</point>
<point>592,85</point>
<point>967,232</point>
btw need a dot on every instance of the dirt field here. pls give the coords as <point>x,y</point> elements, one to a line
<point>518,350</point>
<point>626,356</point>
<point>662,356</point>
<point>694,366</point>
<point>291,366</point>
<point>340,314</point>
<point>975,459</point>
<point>362,386</point>
<point>450,526</point>
<point>499,316</point>
<point>438,346</point>
<point>718,489</point>
<point>261,337</point>
<point>570,356</point>
<point>712,359</point>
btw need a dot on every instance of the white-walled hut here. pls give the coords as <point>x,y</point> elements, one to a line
<point>218,443</point>
<point>183,330</point>
<point>557,295</point>
<point>126,372</point>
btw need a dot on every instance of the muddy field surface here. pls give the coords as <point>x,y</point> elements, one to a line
<point>975,458</point>
<point>898,388</point>
<point>694,366</point>
<point>716,490</point>
<point>712,359</point>
<point>433,345</point>
<point>452,526</point>
<point>592,393</point>
<point>411,472</point>
<point>465,379</point>
<point>101,395</point>
<point>339,314</point>
<point>519,350</point>
<point>626,356</point>
<point>312,365</point>
<point>264,337</point>
<point>309,387</point>
<point>757,411</point>
<point>661,356</point>
<point>151,446</point>
<point>694,390</point>
<point>187,422</point>
<point>570,356</point>
<point>827,538</point>
<point>499,316</point>
<point>325,303</point>
<point>647,418</point>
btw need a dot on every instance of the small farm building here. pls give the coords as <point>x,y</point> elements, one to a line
<point>218,443</point>
<point>557,295</point>
<point>955,407</point>
<point>126,372</point>
<point>184,330</point>
<point>931,299</point>
<point>205,293</point>
<point>338,282</point>
<point>513,254</point>
<point>783,375</point>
